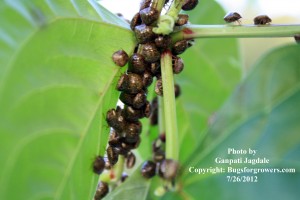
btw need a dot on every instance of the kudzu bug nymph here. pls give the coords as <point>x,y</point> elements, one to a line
<point>130,160</point>
<point>143,33</point>
<point>177,90</point>
<point>132,132</point>
<point>129,146</point>
<point>114,139</point>
<point>150,52</point>
<point>159,87</point>
<point>262,20</point>
<point>232,17</point>
<point>159,155</point>
<point>124,177</point>
<point>149,15</point>
<point>168,169</point>
<point>137,64</point>
<point>155,68</point>
<point>101,191</point>
<point>162,137</point>
<point>163,41</point>
<point>148,169</point>
<point>177,64</point>
<point>147,109</point>
<point>98,165</point>
<point>131,114</point>
<point>130,83</point>
<point>120,58</point>
<point>179,47</point>
<point>115,120</point>
<point>182,19</point>
<point>135,100</point>
<point>112,155</point>
<point>189,4</point>
<point>154,113</point>
<point>136,21</point>
<point>147,79</point>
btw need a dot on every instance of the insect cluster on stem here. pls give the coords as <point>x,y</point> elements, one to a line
<point>143,68</point>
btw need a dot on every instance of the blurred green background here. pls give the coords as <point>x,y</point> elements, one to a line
<point>57,81</point>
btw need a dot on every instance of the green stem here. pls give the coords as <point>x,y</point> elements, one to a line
<point>161,117</point>
<point>175,8</point>
<point>158,5</point>
<point>169,106</point>
<point>119,168</point>
<point>166,22</point>
<point>236,31</point>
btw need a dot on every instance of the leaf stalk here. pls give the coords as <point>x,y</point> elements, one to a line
<point>235,31</point>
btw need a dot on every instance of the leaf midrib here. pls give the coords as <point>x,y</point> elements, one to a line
<point>83,136</point>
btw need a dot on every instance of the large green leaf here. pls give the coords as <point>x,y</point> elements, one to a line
<point>56,80</point>
<point>263,114</point>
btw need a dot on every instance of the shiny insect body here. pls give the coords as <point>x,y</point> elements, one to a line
<point>262,20</point>
<point>232,17</point>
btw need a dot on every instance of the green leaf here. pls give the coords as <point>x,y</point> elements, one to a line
<point>262,114</point>
<point>57,81</point>
<point>212,70</point>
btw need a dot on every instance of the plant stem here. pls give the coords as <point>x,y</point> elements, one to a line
<point>169,106</point>
<point>166,22</point>
<point>119,168</point>
<point>237,31</point>
<point>175,8</point>
<point>161,117</point>
<point>158,5</point>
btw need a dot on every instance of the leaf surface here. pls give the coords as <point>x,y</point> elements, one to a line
<point>262,114</point>
<point>57,81</point>
<point>212,70</point>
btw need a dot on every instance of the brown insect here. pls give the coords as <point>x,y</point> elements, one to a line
<point>115,120</point>
<point>130,160</point>
<point>135,100</point>
<point>182,19</point>
<point>177,64</point>
<point>180,46</point>
<point>150,52</point>
<point>136,21</point>
<point>262,20</point>
<point>159,87</point>
<point>137,64</point>
<point>147,78</point>
<point>177,90</point>
<point>144,33</point>
<point>189,4</point>
<point>133,130</point>
<point>297,38</point>
<point>148,169</point>
<point>163,41</point>
<point>101,191</point>
<point>98,165</point>
<point>112,155</point>
<point>149,15</point>
<point>120,58</point>
<point>232,17</point>
<point>168,169</point>
<point>130,83</point>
